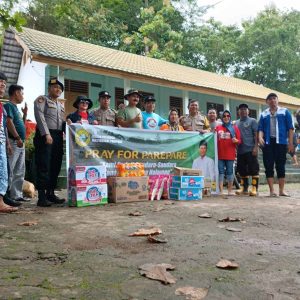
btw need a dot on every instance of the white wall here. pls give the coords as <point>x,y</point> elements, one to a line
<point>32,78</point>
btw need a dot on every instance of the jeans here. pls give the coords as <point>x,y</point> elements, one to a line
<point>225,167</point>
<point>3,169</point>
<point>16,171</point>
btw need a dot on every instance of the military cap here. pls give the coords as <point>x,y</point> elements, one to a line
<point>56,81</point>
<point>104,94</point>
<point>82,98</point>
<point>243,105</point>
<point>131,92</point>
<point>3,76</point>
<point>149,99</point>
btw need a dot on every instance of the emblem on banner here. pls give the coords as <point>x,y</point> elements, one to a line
<point>82,137</point>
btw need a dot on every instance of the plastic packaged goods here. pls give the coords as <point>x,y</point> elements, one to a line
<point>130,169</point>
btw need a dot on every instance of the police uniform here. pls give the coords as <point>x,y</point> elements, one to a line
<point>105,117</point>
<point>50,119</point>
<point>198,123</point>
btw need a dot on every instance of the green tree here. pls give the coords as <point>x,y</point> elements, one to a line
<point>8,17</point>
<point>268,51</point>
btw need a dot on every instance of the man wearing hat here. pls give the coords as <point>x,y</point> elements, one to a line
<point>81,115</point>
<point>104,115</point>
<point>247,162</point>
<point>131,116</point>
<point>48,141</point>
<point>275,136</point>
<point>151,120</point>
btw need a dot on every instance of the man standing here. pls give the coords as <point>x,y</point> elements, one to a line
<point>151,120</point>
<point>247,162</point>
<point>275,131</point>
<point>205,163</point>
<point>4,145</point>
<point>131,116</point>
<point>212,119</point>
<point>16,134</point>
<point>48,141</point>
<point>104,115</point>
<point>195,121</point>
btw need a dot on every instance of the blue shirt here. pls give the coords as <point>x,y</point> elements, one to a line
<point>152,120</point>
<point>284,123</point>
<point>16,117</point>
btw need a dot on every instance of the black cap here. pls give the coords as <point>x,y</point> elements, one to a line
<point>243,105</point>
<point>82,98</point>
<point>56,81</point>
<point>149,99</point>
<point>131,92</point>
<point>3,76</point>
<point>271,95</point>
<point>104,94</point>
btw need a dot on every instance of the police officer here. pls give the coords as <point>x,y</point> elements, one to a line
<point>195,121</point>
<point>48,141</point>
<point>105,115</point>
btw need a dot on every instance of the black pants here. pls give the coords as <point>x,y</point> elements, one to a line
<point>274,154</point>
<point>48,159</point>
<point>247,164</point>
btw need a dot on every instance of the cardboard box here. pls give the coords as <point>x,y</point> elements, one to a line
<point>87,195</point>
<point>127,189</point>
<point>86,175</point>
<point>186,172</point>
<point>185,194</point>
<point>188,182</point>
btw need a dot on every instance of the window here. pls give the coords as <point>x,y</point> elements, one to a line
<point>217,106</point>
<point>75,86</point>
<point>176,102</point>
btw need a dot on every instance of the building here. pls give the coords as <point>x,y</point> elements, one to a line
<point>31,57</point>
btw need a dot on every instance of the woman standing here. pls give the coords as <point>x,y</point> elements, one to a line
<point>228,137</point>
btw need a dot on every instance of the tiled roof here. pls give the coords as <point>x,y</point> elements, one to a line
<point>57,47</point>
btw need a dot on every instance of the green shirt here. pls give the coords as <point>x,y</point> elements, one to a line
<point>16,117</point>
<point>129,113</point>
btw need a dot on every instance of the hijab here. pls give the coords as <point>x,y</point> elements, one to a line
<point>228,125</point>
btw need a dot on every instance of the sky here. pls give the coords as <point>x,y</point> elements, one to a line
<point>231,12</point>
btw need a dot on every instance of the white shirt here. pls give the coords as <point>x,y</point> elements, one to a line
<point>206,165</point>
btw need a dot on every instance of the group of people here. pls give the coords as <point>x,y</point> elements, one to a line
<point>236,140</point>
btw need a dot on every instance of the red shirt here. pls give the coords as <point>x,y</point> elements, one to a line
<point>83,114</point>
<point>226,148</point>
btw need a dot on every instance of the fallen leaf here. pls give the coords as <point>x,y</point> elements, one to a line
<point>230,219</point>
<point>158,272</point>
<point>234,229</point>
<point>158,209</point>
<point>227,264</point>
<point>205,215</point>
<point>28,223</point>
<point>155,239</point>
<point>145,231</point>
<point>192,293</point>
<point>168,202</point>
<point>135,214</point>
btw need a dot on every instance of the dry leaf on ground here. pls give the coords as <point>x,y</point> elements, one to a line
<point>135,214</point>
<point>205,215</point>
<point>28,223</point>
<point>230,219</point>
<point>157,209</point>
<point>234,229</point>
<point>192,293</point>
<point>158,272</point>
<point>168,202</point>
<point>227,264</point>
<point>155,239</point>
<point>146,231</point>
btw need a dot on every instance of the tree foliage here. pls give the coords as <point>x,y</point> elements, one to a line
<point>9,18</point>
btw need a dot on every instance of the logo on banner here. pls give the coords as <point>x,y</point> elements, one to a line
<point>82,137</point>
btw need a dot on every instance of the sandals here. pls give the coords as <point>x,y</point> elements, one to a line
<point>284,195</point>
<point>273,195</point>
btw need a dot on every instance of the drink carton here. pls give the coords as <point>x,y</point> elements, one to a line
<point>185,193</point>
<point>86,175</point>
<point>188,182</point>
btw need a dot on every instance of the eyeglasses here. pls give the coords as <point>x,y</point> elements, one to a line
<point>226,116</point>
<point>84,102</point>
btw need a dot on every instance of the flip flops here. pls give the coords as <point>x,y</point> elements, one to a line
<point>284,195</point>
<point>273,195</point>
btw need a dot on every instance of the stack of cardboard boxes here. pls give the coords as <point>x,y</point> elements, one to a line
<point>187,184</point>
<point>87,185</point>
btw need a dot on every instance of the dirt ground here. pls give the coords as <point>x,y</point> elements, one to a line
<point>86,253</point>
